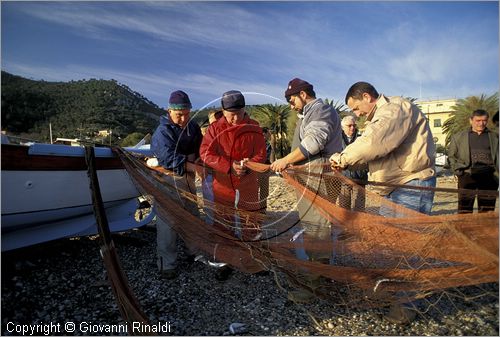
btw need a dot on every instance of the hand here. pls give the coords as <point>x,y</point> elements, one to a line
<point>238,167</point>
<point>152,162</point>
<point>335,162</point>
<point>279,165</point>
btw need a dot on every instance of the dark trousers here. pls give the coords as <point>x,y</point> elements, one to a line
<point>476,182</point>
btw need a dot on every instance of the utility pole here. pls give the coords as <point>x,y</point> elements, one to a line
<point>50,131</point>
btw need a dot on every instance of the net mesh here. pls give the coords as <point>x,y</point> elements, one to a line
<point>363,250</point>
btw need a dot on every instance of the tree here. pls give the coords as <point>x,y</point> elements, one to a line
<point>132,139</point>
<point>340,107</point>
<point>275,118</point>
<point>461,112</point>
<point>73,108</point>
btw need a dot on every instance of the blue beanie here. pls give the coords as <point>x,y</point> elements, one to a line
<point>179,100</point>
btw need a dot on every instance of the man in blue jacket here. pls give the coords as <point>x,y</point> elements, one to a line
<point>176,141</point>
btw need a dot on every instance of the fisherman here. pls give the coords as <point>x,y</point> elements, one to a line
<point>228,144</point>
<point>317,136</point>
<point>397,145</point>
<point>175,142</point>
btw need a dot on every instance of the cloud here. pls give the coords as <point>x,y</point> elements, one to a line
<point>438,59</point>
<point>210,25</point>
<point>209,48</point>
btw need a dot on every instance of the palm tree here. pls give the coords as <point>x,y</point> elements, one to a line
<point>344,110</point>
<point>461,112</point>
<point>340,107</point>
<point>275,118</point>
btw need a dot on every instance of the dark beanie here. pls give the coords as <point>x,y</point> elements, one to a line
<point>232,100</point>
<point>179,100</point>
<point>295,86</point>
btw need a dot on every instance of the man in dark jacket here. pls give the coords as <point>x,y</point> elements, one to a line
<point>352,198</point>
<point>176,141</point>
<point>473,157</point>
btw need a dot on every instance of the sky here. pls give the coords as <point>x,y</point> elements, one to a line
<point>424,50</point>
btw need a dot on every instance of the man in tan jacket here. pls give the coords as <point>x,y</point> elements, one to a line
<point>397,145</point>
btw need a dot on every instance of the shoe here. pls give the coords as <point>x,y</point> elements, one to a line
<point>399,314</point>
<point>168,274</point>
<point>300,296</point>
<point>190,258</point>
<point>223,273</point>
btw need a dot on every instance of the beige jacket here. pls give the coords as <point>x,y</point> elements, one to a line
<point>397,144</point>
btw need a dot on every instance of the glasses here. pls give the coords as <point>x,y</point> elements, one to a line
<point>351,125</point>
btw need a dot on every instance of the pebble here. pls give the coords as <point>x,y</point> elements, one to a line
<point>59,287</point>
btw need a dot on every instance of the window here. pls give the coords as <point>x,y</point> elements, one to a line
<point>437,123</point>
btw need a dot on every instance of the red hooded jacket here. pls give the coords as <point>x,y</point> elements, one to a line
<point>221,146</point>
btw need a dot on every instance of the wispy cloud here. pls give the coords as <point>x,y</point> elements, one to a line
<point>209,25</point>
<point>211,47</point>
<point>447,54</point>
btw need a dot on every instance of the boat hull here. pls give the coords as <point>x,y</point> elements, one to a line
<point>46,194</point>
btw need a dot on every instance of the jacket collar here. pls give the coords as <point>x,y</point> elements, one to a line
<point>310,105</point>
<point>165,120</point>
<point>381,101</point>
<point>486,130</point>
<point>223,120</point>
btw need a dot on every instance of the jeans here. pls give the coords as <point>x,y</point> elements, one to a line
<point>166,245</point>
<point>417,200</point>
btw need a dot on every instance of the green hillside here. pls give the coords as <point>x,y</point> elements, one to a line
<point>76,109</point>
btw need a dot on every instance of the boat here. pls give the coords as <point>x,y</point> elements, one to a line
<point>441,163</point>
<point>46,194</point>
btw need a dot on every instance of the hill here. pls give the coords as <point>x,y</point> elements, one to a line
<point>76,109</point>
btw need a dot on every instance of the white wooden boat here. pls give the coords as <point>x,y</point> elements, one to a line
<point>46,195</point>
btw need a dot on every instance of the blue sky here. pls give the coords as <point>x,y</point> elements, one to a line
<point>417,49</point>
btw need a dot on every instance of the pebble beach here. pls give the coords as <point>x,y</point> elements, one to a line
<point>62,283</point>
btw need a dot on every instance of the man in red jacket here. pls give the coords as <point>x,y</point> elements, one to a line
<point>227,145</point>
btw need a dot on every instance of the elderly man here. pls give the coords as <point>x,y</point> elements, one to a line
<point>175,141</point>
<point>229,142</point>
<point>352,198</point>
<point>317,136</point>
<point>397,145</point>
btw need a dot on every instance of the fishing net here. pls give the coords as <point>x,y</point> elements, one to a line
<point>363,250</point>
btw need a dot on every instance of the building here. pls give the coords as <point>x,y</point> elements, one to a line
<point>68,141</point>
<point>103,133</point>
<point>437,112</point>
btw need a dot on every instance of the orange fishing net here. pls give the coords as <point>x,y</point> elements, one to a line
<point>366,250</point>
